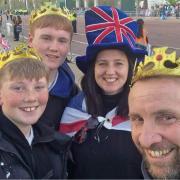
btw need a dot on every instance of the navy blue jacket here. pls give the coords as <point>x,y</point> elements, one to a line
<point>46,158</point>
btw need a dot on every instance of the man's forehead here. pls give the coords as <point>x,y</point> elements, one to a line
<point>155,87</point>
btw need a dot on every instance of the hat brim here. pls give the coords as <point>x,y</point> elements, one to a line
<point>83,62</point>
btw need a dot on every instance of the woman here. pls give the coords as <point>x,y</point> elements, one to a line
<point>97,118</point>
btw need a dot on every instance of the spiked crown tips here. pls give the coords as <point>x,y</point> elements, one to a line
<point>158,64</point>
<point>49,10</point>
<point>20,52</point>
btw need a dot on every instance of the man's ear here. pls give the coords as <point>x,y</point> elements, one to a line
<point>30,39</point>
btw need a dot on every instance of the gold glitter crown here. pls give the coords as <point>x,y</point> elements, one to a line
<point>21,51</point>
<point>48,10</point>
<point>158,64</point>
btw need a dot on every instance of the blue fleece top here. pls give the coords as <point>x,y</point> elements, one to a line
<point>64,83</point>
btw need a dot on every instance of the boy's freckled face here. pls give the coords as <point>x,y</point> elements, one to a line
<point>23,101</point>
<point>52,44</point>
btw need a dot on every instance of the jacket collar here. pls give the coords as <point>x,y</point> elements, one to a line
<point>42,133</point>
<point>64,82</point>
<point>144,171</point>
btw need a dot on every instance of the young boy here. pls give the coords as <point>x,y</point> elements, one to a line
<point>51,35</point>
<point>28,149</point>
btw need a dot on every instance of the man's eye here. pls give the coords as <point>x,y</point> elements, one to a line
<point>136,118</point>
<point>167,118</point>
<point>136,121</point>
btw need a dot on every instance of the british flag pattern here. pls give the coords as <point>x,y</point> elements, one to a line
<point>75,117</point>
<point>109,25</point>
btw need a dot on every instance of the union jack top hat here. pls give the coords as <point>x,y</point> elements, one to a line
<point>108,27</point>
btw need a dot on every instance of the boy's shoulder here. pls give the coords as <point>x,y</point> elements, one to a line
<point>66,68</point>
<point>45,133</point>
<point>65,83</point>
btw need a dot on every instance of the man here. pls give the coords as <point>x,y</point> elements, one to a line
<point>154,103</point>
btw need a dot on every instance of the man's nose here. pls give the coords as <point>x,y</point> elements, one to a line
<point>149,135</point>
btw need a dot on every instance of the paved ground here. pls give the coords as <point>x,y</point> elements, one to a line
<point>160,33</point>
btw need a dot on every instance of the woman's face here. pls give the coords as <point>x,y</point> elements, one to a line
<point>111,70</point>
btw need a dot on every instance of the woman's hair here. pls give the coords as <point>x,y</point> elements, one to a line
<point>93,92</point>
<point>140,23</point>
<point>53,20</point>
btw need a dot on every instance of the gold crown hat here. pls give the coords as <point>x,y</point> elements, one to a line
<point>20,52</point>
<point>160,63</point>
<point>48,10</point>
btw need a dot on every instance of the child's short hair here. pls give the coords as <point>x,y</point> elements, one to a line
<point>24,68</point>
<point>52,20</point>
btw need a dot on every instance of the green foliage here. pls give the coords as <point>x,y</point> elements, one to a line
<point>172,2</point>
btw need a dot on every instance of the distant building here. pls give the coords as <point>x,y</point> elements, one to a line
<point>125,5</point>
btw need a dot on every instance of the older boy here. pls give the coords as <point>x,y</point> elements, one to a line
<point>154,103</point>
<point>51,35</point>
<point>28,149</point>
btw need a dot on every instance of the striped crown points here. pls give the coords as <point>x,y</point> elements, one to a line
<point>20,52</point>
<point>49,10</point>
<point>158,64</point>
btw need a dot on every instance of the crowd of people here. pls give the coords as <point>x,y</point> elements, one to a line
<point>10,25</point>
<point>122,123</point>
<point>161,10</point>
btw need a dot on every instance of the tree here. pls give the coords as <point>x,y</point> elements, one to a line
<point>172,2</point>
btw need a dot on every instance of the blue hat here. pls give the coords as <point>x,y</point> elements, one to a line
<point>108,27</point>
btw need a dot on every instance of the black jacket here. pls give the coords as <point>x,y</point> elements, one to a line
<point>46,158</point>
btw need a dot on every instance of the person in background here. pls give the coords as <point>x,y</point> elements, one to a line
<point>51,35</point>
<point>4,43</point>
<point>74,21</point>
<point>7,14</point>
<point>17,27</point>
<point>14,22</point>
<point>9,27</point>
<point>97,118</point>
<point>142,38</point>
<point>1,21</point>
<point>28,149</point>
<point>154,102</point>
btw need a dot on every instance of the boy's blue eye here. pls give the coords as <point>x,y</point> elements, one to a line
<point>40,87</point>
<point>46,38</point>
<point>18,88</point>
<point>63,40</point>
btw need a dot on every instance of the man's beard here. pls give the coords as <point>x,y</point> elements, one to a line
<point>164,170</point>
